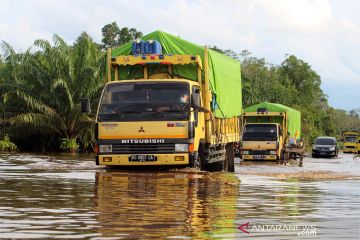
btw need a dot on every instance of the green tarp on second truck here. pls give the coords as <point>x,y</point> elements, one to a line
<point>224,72</point>
<point>294,116</point>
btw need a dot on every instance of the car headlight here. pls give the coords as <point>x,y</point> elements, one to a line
<point>272,152</point>
<point>105,148</point>
<point>332,149</point>
<point>180,147</point>
<point>245,152</point>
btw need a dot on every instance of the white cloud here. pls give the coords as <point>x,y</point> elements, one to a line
<point>305,16</point>
<point>22,33</point>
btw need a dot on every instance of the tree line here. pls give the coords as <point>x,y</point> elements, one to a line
<point>41,88</point>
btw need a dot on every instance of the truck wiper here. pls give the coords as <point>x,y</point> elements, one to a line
<point>166,112</point>
<point>175,110</point>
<point>127,111</point>
<point>172,111</point>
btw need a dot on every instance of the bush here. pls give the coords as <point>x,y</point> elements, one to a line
<point>7,145</point>
<point>69,145</point>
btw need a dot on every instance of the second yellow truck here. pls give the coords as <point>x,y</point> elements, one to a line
<point>271,131</point>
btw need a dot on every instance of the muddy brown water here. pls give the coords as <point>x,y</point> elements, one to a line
<point>68,197</point>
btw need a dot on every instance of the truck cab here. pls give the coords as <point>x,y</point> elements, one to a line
<point>151,120</point>
<point>262,140</point>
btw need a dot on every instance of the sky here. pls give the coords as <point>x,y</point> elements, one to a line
<point>323,33</point>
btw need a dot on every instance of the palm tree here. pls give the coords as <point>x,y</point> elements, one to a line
<point>49,81</point>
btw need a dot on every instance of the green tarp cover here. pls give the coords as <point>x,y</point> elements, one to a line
<point>294,116</point>
<point>224,72</point>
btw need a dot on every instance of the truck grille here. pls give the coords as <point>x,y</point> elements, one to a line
<point>143,148</point>
<point>259,152</point>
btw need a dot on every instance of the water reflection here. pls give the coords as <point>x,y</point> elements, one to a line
<point>159,205</point>
<point>48,197</point>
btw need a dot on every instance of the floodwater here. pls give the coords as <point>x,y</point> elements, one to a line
<point>67,197</point>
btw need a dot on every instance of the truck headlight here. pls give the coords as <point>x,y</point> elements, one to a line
<point>245,152</point>
<point>272,152</point>
<point>332,149</point>
<point>105,148</point>
<point>180,147</point>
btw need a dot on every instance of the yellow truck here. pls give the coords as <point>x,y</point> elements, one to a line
<point>175,108</point>
<point>271,131</point>
<point>350,142</point>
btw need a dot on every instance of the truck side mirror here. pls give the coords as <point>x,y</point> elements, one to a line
<point>195,101</point>
<point>85,105</point>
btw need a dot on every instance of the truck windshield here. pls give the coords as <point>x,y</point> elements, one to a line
<point>153,100</point>
<point>260,132</point>
<point>350,139</point>
<point>325,141</point>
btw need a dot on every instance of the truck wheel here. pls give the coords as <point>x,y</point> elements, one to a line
<point>199,161</point>
<point>284,156</point>
<point>196,162</point>
<point>229,159</point>
<point>301,159</point>
<point>281,158</point>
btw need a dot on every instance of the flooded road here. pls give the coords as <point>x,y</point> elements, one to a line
<point>61,196</point>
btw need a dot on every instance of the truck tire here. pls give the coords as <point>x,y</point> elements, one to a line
<point>229,165</point>
<point>199,162</point>
<point>284,157</point>
<point>202,158</point>
<point>301,159</point>
<point>281,158</point>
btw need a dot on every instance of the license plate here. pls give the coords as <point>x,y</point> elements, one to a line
<point>259,156</point>
<point>142,158</point>
<point>322,153</point>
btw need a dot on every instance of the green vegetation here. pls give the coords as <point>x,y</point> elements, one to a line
<point>113,36</point>
<point>340,145</point>
<point>7,145</point>
<point>41,88</point>
<point>69,145</point>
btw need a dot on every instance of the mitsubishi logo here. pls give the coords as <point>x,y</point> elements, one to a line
<point>141,129</point>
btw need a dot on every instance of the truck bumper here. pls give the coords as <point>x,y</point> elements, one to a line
<point>161,160</point>
<point>259,157</point>
<point>350,150</point>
